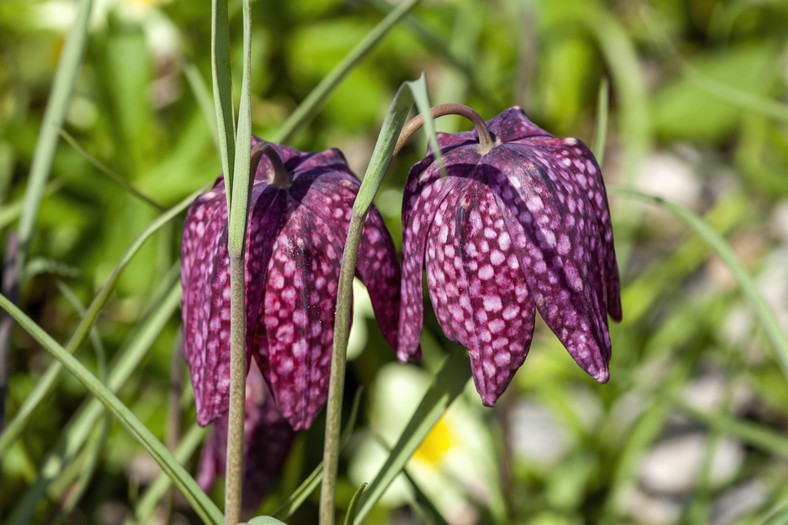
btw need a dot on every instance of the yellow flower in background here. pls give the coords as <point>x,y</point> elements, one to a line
<point>455,466</point>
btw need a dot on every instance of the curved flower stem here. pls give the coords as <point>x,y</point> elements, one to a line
<point>281,178</point>
<point>485,139</point>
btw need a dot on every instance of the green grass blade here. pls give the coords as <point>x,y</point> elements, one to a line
<point>49,379</point>
<point>445,387</point>
<point>353,506</point>
<point>312,481</point>
<point>13,210</point>
<point>147,504</point>
<point>435,43</point>
<point>718,244</point>
<point>188,487</point>
<point>384,148</point>
<point>421,97</point>
<point>106,170</point>
<point>63,85</point>
<point>780,517</point>
<point>603,97</point>
<point>423,503</point>
<point>202,95</point>
<point>310,106</point>
<point>241,177</point>
<point>223,90</point>
<point>80,426</point>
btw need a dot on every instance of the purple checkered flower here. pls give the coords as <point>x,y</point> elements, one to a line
<point>294,245</point>
<point>267,440</point>
<point>522,227</point>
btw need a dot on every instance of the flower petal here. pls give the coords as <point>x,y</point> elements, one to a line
<point>579,165</point>
<point>297,315</point>
<point>330,197</point>
<point>206,304</point>
<point>478,289</point>
<point>557,248</point>
<point>424,191</point>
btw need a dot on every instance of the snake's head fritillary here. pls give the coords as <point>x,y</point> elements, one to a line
<point>522,227</point>
<point>294,245</point>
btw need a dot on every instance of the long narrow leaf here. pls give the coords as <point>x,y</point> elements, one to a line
<point>196,497</point>
<point>202,95</point>
<point>715,241</point>
<point>80,426</point>
<point>319,96</point>
<point>109,172</point>
<point>65,77</point>
<point>223,90</point>
<point>353,506</point>
<point>186,448</point>
<point>49,379</point>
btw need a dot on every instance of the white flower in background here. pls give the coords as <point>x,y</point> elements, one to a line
<point>161,34</point>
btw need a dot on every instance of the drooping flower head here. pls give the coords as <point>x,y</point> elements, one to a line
<point>267,440</point>
<point>524,226</point>
<point>294,245</point>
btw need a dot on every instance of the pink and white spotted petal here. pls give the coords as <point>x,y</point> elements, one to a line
<point>424,192</point>
<point>558,249</point>
<point>298,315</point>
<point>478,288</point>
<point>579,167</point>
<point>206,305</point>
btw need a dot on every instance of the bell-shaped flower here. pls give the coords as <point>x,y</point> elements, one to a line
<point>296,235</point>
<point>267,440</point>
<point>523,226</point>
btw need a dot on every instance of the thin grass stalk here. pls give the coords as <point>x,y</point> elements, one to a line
<point>338,364</point>
<point>49,379</point>
<point>79,427</point>
<point>189,488</point>
<point>317,98</point>
<point>68,67</point>
<point>238,218</point>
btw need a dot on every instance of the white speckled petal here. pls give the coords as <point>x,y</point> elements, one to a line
<point>424,191</point>
<point>557,251</point>
<point>542,197</point>
<point>297,315</point>
<point>477,287</point>
<point>293,253</point>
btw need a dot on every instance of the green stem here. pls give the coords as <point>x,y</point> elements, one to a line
<point>338,362</point>
<point>235,432</point>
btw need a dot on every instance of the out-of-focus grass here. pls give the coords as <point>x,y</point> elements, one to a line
<point>691,368</point>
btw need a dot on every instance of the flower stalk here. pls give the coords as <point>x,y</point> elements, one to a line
<point>486,142</point>
<point>235,434</point>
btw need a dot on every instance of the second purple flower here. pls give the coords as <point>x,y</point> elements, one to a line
<point>524,226</point>
<point>296,235</point>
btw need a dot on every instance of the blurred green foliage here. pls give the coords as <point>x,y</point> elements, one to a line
<point>689,361</point>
